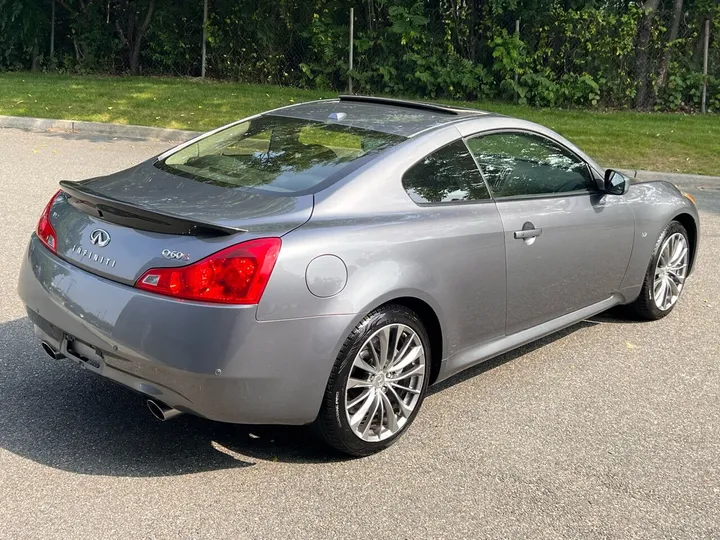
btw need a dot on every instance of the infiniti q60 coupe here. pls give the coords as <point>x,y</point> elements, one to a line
<point>323,263</point>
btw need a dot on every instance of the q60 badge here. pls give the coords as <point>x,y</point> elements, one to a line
<point>175,255</point>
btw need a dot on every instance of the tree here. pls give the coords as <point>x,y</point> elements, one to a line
<point>88,28</point>
<point>131,30</point>
<point>672,36</point>
<point>642,53</point>
<point>23,26</point>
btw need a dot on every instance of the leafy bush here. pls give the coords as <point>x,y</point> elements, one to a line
<point>571,53</point>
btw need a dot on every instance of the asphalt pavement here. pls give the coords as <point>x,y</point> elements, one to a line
<point>609,429</point>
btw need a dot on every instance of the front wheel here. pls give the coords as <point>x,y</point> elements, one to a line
<point>377,384</point>
<point>666,274</point>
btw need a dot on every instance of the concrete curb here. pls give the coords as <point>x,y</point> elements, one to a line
<point>97,128</point>
<point>180,135</point>
<point>675,178</point>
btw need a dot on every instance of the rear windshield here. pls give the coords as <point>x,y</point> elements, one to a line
<point>275,153</point>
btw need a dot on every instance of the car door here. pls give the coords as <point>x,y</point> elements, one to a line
<point>460,243</point>
<point>567,243</point>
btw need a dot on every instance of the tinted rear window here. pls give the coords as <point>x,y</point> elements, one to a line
<point>274,153</point>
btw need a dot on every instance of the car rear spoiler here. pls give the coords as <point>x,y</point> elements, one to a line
<point>96,204</point>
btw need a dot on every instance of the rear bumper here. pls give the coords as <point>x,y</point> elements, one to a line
<point>215,361</point>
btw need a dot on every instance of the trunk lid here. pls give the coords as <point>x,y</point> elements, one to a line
<point>119,226</point>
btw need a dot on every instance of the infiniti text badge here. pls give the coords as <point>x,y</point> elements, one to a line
<point>95,257</point>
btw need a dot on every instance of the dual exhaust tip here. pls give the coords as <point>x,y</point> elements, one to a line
<point>158,409</point>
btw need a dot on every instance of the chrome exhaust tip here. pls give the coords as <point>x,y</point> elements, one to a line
<point>51,351</point>
<point>161,411</point>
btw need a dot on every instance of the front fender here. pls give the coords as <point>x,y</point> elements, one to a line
<point>654,205</point>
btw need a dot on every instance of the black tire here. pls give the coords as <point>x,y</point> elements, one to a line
<point>332,423</point>
<point>644,306</point>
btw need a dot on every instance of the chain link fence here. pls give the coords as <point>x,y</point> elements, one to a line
<point>456,49</point>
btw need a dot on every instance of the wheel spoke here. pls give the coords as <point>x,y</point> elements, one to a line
<point>673,247</point>
<point>417,370</point>
<point>378,364</point>
<point>679,256</point>
<point>404,388</point>
<point>404,409</point>
<point>357,418</point>
<point>668,294</point>
<point>392,424</point>
<point>371,416</point>
<point>399,354</point>
<point>662,295</point>
<point>672,243</point>
<point>663,259</point>
<point>362,364</point>
<point>381,412</point>
<point>395,354</point>
<point>384,338</point>
<point>680,264</point>
<point>358,383</point>
<point>660,286</point>
<point>678,272</point>
<point>410,357</point>
<point>358,399</point>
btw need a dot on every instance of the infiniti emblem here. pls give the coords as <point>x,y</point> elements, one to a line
<point>100,238</point>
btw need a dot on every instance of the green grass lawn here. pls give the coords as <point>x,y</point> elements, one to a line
<point>652,141</point>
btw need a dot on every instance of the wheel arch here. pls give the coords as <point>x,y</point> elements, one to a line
<point>429,315</point>
<point>431,322</point>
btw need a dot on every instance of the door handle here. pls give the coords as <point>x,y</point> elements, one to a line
<point>527,233</point>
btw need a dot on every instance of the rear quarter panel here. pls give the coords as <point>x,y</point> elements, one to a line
<point>459,272</point>
<point>452,257</point>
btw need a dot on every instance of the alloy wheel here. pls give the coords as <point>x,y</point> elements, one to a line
<point>385,382</point>
<point>670,271</point>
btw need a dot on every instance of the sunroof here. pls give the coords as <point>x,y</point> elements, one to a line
<point>403,103</point>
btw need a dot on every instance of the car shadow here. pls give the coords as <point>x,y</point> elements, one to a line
<point>507,357</point>
<point>618,315</point>
<point>59,415</point>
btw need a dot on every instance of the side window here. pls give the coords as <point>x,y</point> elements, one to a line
<point>525,164</point>
<point>445,176</point>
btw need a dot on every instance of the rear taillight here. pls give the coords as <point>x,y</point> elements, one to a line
<point>45,230</point>
<point>236,275</point>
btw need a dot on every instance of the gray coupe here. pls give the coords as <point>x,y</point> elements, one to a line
<point>323,263</point>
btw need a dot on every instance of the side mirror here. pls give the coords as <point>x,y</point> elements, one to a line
<point>616,183</point>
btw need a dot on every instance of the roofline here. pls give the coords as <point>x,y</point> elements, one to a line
<point>450,111</point>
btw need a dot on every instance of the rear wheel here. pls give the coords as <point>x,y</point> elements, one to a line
<point>377,384</point>
<point>666,274</point>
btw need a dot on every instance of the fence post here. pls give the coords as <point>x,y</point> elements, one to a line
<point>705,65</point>
<point>352,45</point>
<point>52,31</point>
<point>517,35</point>
<point>204,38</point>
